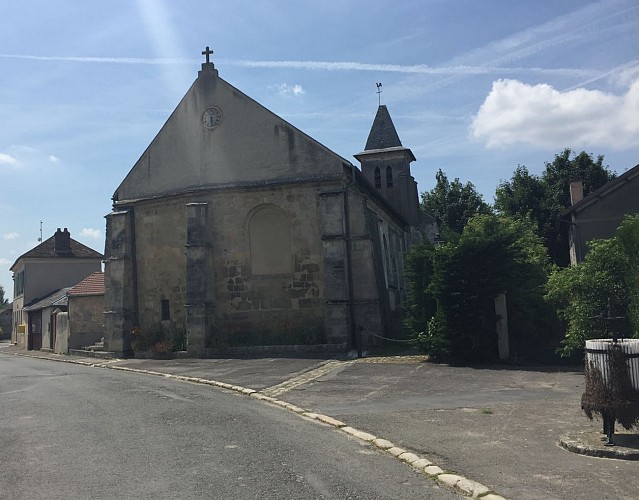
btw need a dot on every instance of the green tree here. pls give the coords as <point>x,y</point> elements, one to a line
<point>522,196</point>
<point>452,204</point>
<point>581,293</point>
<point>544,198</point>
<point>3,301</point>
<point>494,254</point>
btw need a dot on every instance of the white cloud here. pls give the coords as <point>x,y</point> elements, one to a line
<point>294,90</point>
<point>455,69</point>
<point>109,60</point>
<point>27,157</point>
<point>10,236</point>
<point>539,115</point>
<point>91,233</point>
<point>424,69</point>
<point>6,159</point>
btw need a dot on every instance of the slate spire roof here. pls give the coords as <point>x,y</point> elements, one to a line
<point>383,134</point>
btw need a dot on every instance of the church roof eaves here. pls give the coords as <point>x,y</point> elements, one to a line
<point>240,186</point>
<point>371,152</point>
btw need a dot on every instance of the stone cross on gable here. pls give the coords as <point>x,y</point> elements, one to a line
<point>207,53</point>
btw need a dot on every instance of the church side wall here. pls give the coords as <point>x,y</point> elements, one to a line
<point>380,274</point>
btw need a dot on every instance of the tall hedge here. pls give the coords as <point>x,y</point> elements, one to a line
<point>494,254</point>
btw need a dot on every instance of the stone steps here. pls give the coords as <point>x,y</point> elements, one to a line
<point>87,353</point>
<point>93,351</point>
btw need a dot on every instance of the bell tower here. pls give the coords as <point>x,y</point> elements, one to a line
<point>386,165</point>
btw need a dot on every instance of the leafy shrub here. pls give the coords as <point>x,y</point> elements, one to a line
<point>608,275</point>
<point>158,339</point>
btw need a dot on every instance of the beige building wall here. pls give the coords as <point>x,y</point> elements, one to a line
<point>85,319</point>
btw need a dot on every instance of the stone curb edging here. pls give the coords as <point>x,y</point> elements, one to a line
<point>575,446</point>
<point>423,465</point>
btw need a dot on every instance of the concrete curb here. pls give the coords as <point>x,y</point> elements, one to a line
<point>575,445</point>
<point>455,482</point>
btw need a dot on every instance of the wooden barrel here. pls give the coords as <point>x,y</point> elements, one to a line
<point>597,355</point>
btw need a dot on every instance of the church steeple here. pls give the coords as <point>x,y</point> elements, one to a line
<point>386,165</point>
<point>383,134</point>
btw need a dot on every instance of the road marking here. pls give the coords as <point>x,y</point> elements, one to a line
<point>303,378</point>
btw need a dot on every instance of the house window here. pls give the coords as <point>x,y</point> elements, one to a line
<point>166,310</point>
<point>378,178</point>
<point>18,284</point>
<point>389,177</point>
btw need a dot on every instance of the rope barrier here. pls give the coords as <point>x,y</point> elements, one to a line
<point>391,340</point>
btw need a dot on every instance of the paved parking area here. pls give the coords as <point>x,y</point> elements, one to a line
<point>498,426</point>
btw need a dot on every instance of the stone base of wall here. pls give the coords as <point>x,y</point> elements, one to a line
<point>277,350</point>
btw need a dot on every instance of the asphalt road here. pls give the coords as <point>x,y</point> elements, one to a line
<point>74,432</point>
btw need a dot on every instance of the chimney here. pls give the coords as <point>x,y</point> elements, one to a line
<point>576,190</point>
<point>62,242</point>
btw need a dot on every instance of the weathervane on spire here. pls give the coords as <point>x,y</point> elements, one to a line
<point>379,92</point>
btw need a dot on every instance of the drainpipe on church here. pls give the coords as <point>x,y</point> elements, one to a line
<point>354,331</point>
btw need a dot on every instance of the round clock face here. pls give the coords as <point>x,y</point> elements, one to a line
<point>212,117</point>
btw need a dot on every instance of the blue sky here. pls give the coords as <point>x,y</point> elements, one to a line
<point>474,88</point>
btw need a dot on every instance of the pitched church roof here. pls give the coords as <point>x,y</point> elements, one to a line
<point>383,134</point>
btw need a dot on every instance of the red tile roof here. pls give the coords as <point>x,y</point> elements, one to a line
<point>91,285</point>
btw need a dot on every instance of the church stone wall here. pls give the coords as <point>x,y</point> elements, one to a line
<point>257,302</point>
<point>160,239</point>
<point>248,307</point>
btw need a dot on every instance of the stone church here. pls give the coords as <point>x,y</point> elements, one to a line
<point>239,228</point>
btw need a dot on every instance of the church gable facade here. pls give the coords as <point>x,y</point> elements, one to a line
<point>242,230</point>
